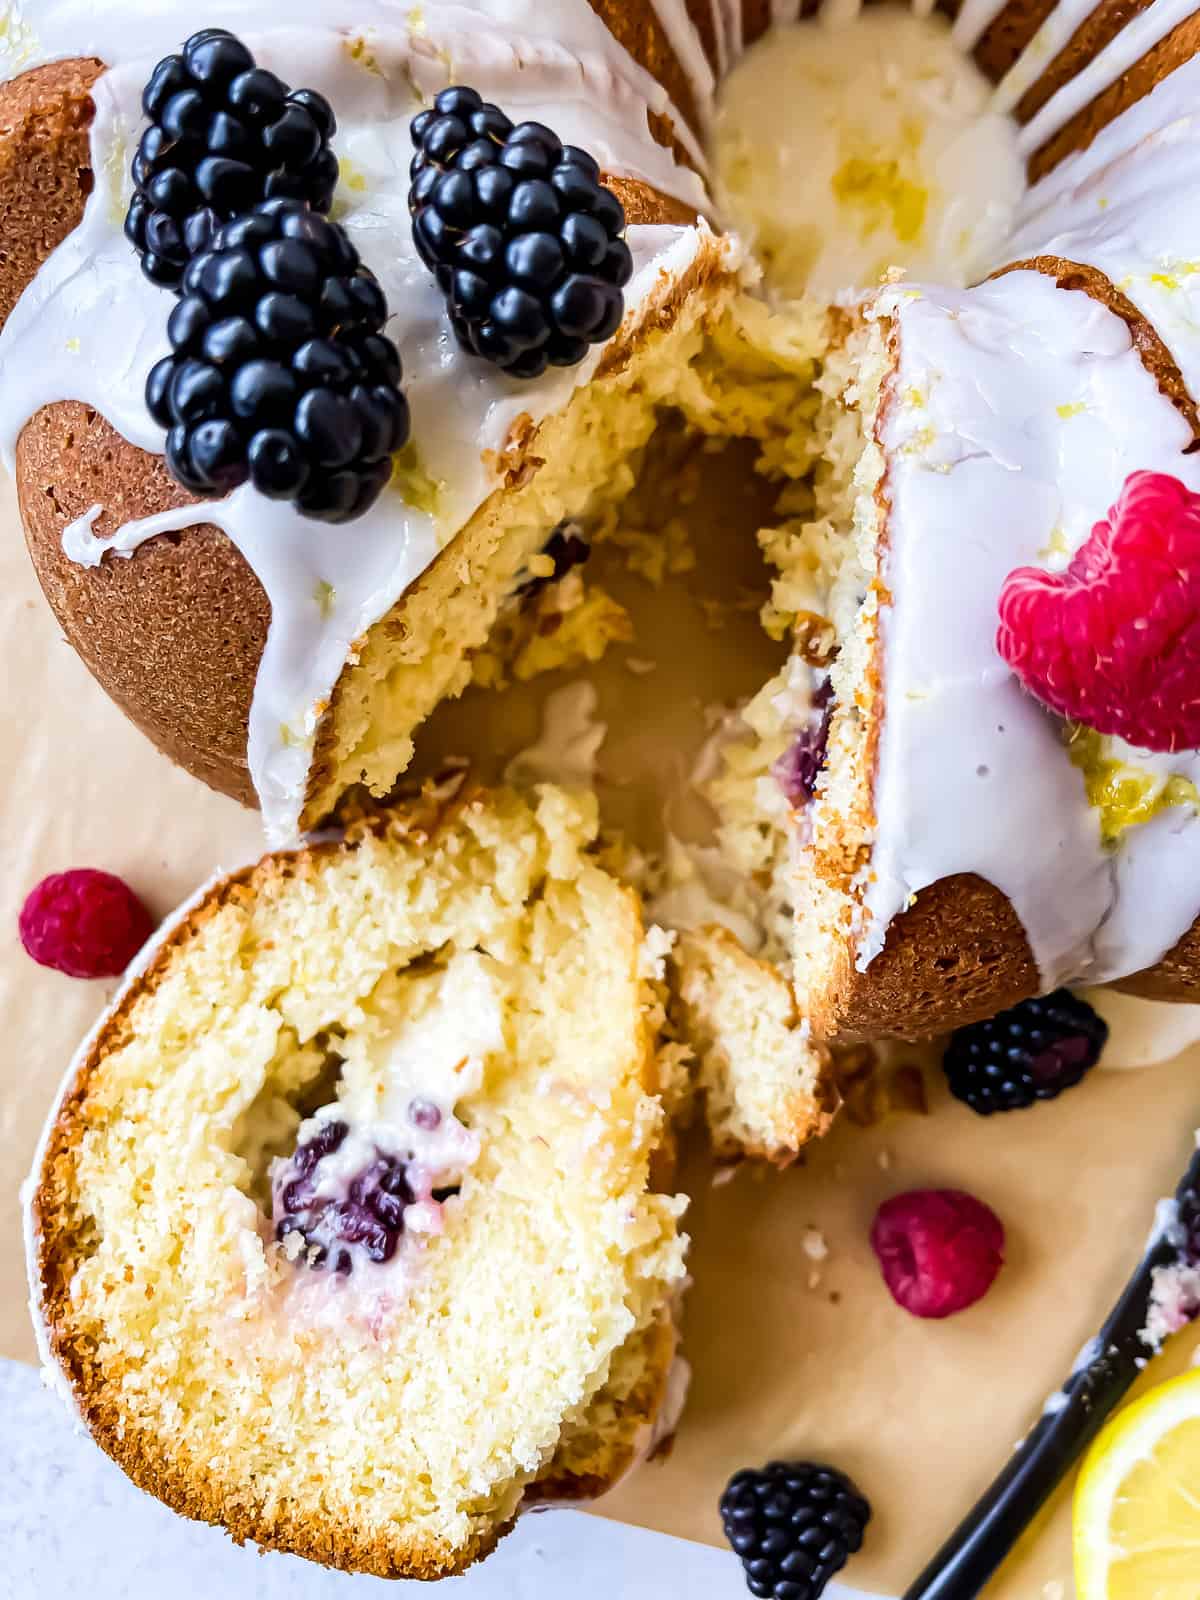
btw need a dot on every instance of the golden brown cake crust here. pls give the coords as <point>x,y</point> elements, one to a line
<point>1175,977</point>
<point>45,166</point>
<point>1096,30</point>
<point>174,633</point>
<point>1180,45</point>
<point>957,955</point>
<point>139,1452</point>
<point>1005,37</point>
<point>638,29</point>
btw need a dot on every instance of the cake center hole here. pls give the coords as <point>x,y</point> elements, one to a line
<point>860,141</point>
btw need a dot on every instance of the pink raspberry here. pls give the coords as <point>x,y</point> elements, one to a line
<point>1114,641</point>
<point>85,923</point>
<point>940,1250</point>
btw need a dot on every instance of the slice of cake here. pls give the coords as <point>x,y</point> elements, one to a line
<point>954,850</point>
<point>343,1234</point>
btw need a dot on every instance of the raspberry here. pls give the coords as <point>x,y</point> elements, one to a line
<point>940,1250</point>
<point>523,238</point>
<point>85,923</point>
<point>1114,641</point>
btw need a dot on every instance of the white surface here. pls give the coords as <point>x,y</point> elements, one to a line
<point>70,1524</point>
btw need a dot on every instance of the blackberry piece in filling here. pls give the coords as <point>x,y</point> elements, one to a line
<point>369,1213</point>
<point>567,548</point>
<point>798,769</point>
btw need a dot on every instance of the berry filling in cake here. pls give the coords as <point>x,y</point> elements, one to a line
<point>372,1171</point>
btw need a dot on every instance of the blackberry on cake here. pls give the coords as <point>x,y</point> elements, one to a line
<point>523,238</point>
<point>1032,1051</point>
<point>224,134</point>
<point>279,372</point>
<point>794,1524</point>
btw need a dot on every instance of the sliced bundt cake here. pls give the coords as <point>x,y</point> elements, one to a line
<point>343,1233</point>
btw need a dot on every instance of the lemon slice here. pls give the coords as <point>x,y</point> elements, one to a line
<point>1137,1502</point>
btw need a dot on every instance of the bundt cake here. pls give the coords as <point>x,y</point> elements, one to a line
<point>343,1231</point>
<point>285,662</point>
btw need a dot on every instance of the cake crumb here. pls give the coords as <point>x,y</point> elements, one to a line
<point>723,1175</point>
<point>639,666</point>
<point>656,947</point>
<point>884,1160</point>
<point>568,744</point>
<point>813,1244</point>
<point>814,1280</point>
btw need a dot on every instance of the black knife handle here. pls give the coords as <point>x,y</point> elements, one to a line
<point>1072,1419</point>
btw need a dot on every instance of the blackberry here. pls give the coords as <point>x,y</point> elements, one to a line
<point>279,372</point>
<point>370,1215</point>
<point>567,548</point>
<point>794,1524</point>
<point>1033,1051</point>
<point>523,238</point>
<point>224,134</point>
<point>798,769</point>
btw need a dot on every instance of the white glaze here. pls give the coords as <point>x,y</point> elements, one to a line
<point>1019,411</point>
<point>1041,51</point>
<point>90,326</point>
<point>681,34</point>
<point>1172,98</point>
<point>735,31</point>
<point>890,154</point>
<point>720,37</point>
<point>47,30</point>
<point>1131,218</point>
<point>1139,35</point>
